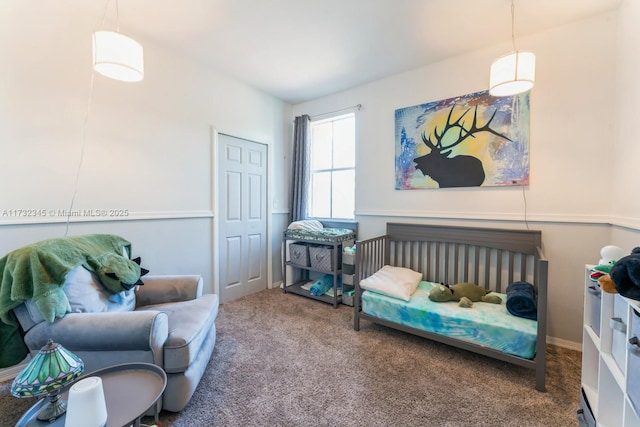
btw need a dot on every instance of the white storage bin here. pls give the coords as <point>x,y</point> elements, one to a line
<point>633,384</point>
<point>618,325</point>
<point>585,415</point>
<point>596,306</point>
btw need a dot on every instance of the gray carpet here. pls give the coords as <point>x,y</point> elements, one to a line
<point>285,360</point>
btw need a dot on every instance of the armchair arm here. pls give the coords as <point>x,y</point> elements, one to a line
<point>106,331</point>
<point>163,289</point>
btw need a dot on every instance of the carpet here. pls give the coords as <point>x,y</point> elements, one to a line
<point>285,360</point>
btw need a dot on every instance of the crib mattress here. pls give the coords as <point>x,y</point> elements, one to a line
<point>490,325</point>
<point>327,235</point>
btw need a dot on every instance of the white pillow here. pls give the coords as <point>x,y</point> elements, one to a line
<point>306,224</point>
<point>397,282</point>
<point>87,295</point>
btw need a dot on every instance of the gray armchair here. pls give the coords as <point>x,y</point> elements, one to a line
<point>172,325</point>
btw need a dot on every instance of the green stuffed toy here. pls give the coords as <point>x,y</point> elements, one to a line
<point>116,272</point>
<point>465,293</point>
<point>600,273</point>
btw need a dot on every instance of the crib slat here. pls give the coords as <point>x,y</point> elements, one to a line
<point>456,259</point>
<point>465,277</point>
<point>420,262</point>
<point>499,271</point>
<point>511,267</point>
<point>428,261</point>
<point>476,264</point>
<point>438,267</point>
<point>446,264</point>
<point>487,269</point>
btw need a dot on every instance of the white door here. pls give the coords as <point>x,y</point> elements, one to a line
<point>242,244</point>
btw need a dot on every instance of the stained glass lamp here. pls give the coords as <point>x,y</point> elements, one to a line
<point>48,373</point>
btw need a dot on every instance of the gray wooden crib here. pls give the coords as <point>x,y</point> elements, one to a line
<point>489,257</point>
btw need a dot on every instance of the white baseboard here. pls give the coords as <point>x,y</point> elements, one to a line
<point>571,345</point>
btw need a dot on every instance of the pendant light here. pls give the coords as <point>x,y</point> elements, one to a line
<point>117,56</point>
<point>513,73</point>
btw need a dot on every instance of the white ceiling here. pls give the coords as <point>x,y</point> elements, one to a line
<point>298,50</point>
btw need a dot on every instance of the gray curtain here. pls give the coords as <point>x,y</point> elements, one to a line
<point>300,168</point>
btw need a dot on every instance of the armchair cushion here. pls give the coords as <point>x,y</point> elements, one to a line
<point>164,289</point>
<point>190,322</point>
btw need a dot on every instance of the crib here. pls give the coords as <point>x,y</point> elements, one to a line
<point>489,257</point>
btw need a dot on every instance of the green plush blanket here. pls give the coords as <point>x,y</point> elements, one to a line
<point>38,272</point>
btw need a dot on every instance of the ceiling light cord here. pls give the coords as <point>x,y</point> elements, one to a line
<point>104,14</point>
<point>84,143</point>
<point>117,17</point>
<point>84,135</point>
<point>513,26</point>
<point>524,197</point>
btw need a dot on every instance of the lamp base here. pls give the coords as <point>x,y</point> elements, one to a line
<point>54,408</point>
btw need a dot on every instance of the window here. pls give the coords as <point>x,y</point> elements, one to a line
<point>333,161</point>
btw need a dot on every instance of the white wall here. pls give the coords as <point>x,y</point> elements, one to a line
<point>571,150</point>
<point>624,197</point>
<point>147,145</point>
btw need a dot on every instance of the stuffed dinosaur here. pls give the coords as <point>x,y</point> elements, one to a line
<point>465,293</point>
<point>116,272</point>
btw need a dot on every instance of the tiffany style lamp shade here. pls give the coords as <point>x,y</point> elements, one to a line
<point>48,373</point>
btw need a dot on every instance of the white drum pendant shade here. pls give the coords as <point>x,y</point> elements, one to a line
<point>117,56</point>
<point>512,74</point>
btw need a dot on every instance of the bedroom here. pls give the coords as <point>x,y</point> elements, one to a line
<point>582,194</point>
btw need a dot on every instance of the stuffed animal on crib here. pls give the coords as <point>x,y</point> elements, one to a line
<point>465,293</point>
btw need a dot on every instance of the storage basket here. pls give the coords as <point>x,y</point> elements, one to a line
<point>299,254</point>
<point>348,268</point>
<point>348,261</point>
<point>322,257</point>
<point>347,297</point>
<point>348,257</point>
<point>347,279</point>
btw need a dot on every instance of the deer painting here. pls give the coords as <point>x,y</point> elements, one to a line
<point>454,171</point>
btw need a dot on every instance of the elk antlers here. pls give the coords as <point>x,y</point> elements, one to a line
<point>464,132</point>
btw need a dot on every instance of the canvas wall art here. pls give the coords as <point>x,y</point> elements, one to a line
<point>471,140</point>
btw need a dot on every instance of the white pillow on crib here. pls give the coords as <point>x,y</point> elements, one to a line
<point>396,282</point>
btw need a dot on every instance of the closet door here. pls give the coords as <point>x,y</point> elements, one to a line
<point>242,183</point>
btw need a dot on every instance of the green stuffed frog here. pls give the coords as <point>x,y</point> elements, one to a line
<point>465,293</point>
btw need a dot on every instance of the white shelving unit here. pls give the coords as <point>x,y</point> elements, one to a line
<point>610,358</point>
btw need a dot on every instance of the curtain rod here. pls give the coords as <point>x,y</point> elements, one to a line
<point>358,106</point>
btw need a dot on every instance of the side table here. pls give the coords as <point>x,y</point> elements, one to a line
<point>130,389</point>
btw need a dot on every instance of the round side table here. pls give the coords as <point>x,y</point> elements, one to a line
<point>130,389</point>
